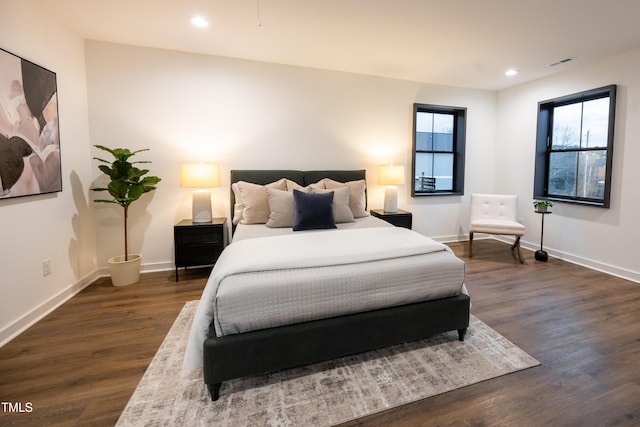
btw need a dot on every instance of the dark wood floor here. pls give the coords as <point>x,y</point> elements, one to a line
<point>80,365</point>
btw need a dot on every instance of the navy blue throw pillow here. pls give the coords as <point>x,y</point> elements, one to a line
<point>313,211</point>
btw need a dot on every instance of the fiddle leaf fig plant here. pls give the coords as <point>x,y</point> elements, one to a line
<point>127,182</point>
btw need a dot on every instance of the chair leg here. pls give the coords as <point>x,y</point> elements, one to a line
<point>471,244</point>
<point>516,246</point>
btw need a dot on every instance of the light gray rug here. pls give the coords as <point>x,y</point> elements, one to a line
<point>321,394</point>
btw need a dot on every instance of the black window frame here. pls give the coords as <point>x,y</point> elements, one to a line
<point>544,145</point>
<point>458,149</point>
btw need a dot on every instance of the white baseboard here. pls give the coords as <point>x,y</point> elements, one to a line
<point>613,270</point>
<point>39,312</point>
<point>450,239</point>
<point>144,268</point>
<point>158,266</point>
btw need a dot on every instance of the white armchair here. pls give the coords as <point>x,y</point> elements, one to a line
<point>495,214</point>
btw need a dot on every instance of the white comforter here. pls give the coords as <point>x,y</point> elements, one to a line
<point>305,250</point>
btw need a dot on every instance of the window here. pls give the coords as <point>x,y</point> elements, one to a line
<point>574,148</point>
<point>438,150</point>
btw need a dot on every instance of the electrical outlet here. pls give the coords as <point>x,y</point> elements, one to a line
<point>46,267</point>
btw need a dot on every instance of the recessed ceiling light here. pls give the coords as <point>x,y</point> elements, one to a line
<point>199,21</point>
<point>511,72</point>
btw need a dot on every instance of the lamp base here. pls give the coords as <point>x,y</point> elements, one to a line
<point>391,199</point>
<point>541,255</point>
<point>201,208</point>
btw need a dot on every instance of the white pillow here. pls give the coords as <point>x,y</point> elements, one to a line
<point>238,207</point>
<point>341,210</point>
<point>255,202</point>
<point>292,185</point>
<point>357,197</point>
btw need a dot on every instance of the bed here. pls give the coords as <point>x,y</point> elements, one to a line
<point>362,300</point>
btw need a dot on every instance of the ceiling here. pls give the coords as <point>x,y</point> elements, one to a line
<point>466,43</point>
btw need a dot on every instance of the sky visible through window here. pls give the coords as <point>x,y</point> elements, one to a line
<point>581,125</point>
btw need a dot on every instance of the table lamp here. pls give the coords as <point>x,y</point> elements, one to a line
<point>391,175</point>
<point>200,176</point>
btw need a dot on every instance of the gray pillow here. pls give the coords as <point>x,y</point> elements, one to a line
<point>255,202</point>
<point>357,196</point>
<point>280,208</point>
<point>341,209</point>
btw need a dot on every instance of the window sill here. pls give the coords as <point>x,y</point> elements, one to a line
<point>436,193</point>
<point>596,204</point>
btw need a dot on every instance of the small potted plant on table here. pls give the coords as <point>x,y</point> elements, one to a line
<point>126,184</point>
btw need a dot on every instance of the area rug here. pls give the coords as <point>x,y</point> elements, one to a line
<point>321,394</point>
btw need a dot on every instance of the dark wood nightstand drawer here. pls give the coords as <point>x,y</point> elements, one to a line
<point>199,236</point>
<point>399,219</point>
<point>199,244</point>
<point>191,255</point>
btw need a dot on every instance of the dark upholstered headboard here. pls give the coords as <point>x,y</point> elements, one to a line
<point>303,178</point>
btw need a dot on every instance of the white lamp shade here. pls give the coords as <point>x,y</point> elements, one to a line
<point>391,175</point>
<point>199,175</point>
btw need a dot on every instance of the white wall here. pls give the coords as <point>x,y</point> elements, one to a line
<point>604,239</point>
<point>245,114</point>
<point>59,226</point>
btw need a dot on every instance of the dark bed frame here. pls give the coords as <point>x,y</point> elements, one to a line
<point>267,350</point>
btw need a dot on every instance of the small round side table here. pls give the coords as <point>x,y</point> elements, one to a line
<point>540,254</point>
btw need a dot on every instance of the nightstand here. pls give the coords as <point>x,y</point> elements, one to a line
<point>198,244</point>
<point>399,219</point>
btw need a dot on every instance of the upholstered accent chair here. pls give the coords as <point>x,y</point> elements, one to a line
<point>495,214</point>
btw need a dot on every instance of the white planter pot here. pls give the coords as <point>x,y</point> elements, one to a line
<point>123,272</point>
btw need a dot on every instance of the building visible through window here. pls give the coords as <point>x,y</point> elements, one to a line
<point>438,154</point>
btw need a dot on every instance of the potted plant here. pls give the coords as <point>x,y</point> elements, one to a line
<point>126,184</point>
<point>542,205</point>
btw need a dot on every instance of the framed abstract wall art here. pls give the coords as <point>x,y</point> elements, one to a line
<point>29,137</point>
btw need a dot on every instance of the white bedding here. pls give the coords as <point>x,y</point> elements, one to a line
<point>267,282</point>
